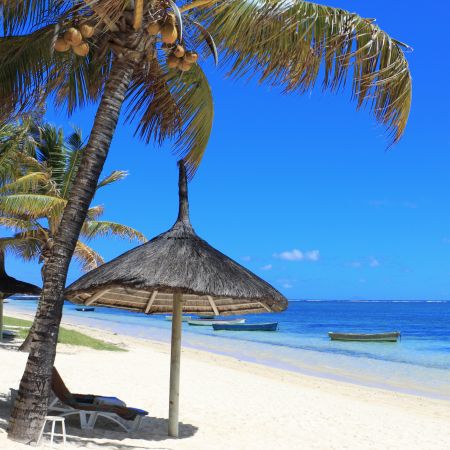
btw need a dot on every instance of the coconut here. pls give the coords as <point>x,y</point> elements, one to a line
<point>87,31</point>
<point>82,49</point>
<point>154,28</point>
<point>61,45</point>
<point>172,61</point>
<point>169,33</point>
<point>191,57</point>
<point>73,37</point>
<point>179,51</point>
<point>184,66</point>
<point>170,18</point>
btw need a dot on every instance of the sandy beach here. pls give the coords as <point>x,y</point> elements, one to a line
<point>230,404</point>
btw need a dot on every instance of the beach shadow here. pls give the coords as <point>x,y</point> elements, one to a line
<point>5,410</point>
<point>152,429</point>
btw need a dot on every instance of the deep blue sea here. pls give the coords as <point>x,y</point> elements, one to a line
<point>419,363</point>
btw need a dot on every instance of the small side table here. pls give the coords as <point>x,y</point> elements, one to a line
<point>53,420</point>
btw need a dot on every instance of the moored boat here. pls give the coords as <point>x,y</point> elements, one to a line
<point>268,326</point>
<point>85,308</point>
<point>205,322</point>
<point>391,336</point>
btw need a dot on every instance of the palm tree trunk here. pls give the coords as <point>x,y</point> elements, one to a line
<point>30,408</point>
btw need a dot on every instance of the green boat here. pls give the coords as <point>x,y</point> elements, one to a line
<point>392,336</point>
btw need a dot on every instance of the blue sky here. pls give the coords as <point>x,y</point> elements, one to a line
<point>301,189</point>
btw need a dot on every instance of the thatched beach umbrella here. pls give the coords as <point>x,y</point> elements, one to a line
<point>10,286</point>
<point>176,272</point>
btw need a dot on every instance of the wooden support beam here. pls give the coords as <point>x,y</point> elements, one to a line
<point>95,297</point>
<point>150,301</point>
<point>213,305</point>
<point>265,306</point>
<point>175,356</point>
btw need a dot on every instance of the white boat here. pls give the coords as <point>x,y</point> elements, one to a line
<point>207,322</point>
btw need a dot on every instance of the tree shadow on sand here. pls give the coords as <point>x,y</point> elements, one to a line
<point>152,429</point>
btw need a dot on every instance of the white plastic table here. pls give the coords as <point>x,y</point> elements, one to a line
<point>53,420</point>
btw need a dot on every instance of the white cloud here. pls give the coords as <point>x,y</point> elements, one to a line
<point>356,264</point>
<point>374,262</point>
<point>298,255</point>
<point>312,255</point>
<point>246,258</point>
<point>287,285</point>
<point>446,240</point>
<point>267,267</point>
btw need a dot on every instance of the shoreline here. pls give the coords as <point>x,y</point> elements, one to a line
<point>231,404</point>
<point>124,340</point>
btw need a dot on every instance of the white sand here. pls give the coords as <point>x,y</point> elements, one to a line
<point>233,405</point>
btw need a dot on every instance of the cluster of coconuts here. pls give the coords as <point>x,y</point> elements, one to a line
<point>178,57</point>
<point>181,59</point>
<point>73,39</point>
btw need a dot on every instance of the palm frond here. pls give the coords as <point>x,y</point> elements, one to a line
<point>77,81</point>
<point>92,229</point>
<point>24,65</point>
<point>94,212</point>
<point>194,98</point>
<point>31,182</point>
<point>17,225</point>
<point>87,256</point>
<point>175,106</point>
<point>114,176</point>
<point>75,146</point>
<point>151,103</point>
<point>286,43</point>
<point>19,15</point>
<point>25,248</point>
<point>32,206</point>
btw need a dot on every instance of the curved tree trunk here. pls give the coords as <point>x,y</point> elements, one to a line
<point>26,344</point>
<point>30,408</point>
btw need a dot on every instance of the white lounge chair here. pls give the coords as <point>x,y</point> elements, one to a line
<point>90,407</point>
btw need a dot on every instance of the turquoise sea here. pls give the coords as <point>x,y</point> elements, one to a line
<point>419,363</point>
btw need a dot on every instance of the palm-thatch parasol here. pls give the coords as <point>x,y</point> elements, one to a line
<point>10,286</point>
<point>176,272</point>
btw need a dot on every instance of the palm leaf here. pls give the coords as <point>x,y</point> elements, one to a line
<point>33,206</point>
<point>75,152</point>
<point>92,229</point>
<point>174,106</point>
<point>17,225</point>
<point>87,256</point>
<point>31,182</point>
<point>24,65</point>
<point>26,248</point>
<point>114,176</point>
<point>94,212</point>
<point>286,43</point>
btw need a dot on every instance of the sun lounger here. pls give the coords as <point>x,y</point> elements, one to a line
<point>90,407</point>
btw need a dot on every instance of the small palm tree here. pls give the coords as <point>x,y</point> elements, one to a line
<point>32,202</point>
<point>80,51</point>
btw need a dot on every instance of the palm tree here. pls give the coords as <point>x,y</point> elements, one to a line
<point>31,205</point>
<point>288,44</point>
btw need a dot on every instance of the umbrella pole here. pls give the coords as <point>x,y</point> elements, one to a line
<point>175,354</point>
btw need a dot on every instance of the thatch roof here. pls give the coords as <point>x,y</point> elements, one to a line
<point>178,261</point>
<point>10,286</point>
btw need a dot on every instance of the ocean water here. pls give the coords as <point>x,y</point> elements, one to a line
<point>419,363</point>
